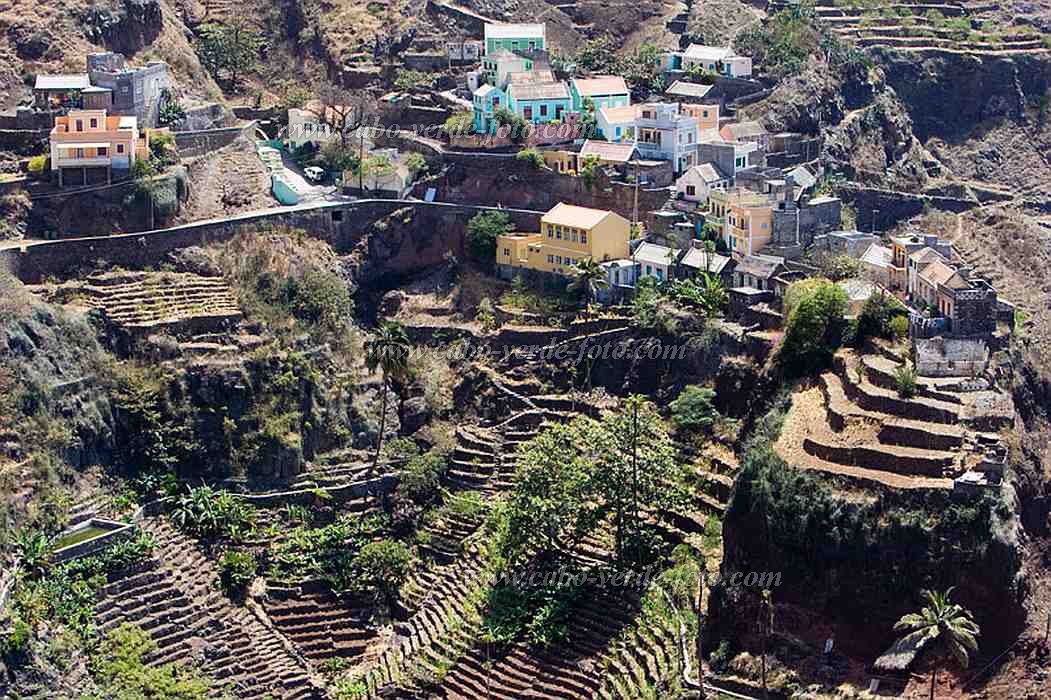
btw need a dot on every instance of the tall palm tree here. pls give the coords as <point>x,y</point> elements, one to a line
<point>713,296</point>
<point>388,350</point>
<point>588,277</point>
<point>949,627</point>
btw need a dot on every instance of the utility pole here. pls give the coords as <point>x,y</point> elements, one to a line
<point>635,474</point>
<point>635,206</point>
<point>361,160</point>
<point>874,212</point>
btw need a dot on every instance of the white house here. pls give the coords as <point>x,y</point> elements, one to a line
<point>716,59</point>
<point>617,124</point>
<point>305,126</point>
<point>696,183</point>
<point>657,261</point>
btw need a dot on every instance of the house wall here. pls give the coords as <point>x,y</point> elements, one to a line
<point>135,92</point>
<point>521,43</point>
<point>542,111</point>
<point>692,178</point>
<point>707,115</point>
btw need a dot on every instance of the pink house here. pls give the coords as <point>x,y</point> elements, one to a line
<point>88,141</point>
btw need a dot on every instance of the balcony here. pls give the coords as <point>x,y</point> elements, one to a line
<point>86,162</point>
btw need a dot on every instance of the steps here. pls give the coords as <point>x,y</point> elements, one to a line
<point>322,625</point>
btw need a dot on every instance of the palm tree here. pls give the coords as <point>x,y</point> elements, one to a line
<point>948,626</point>
<point>713,296</point>
<point>588,277</point>
<point>389,351</point>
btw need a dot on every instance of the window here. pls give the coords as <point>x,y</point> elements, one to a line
<point>337,215</point>
<point>103,151</point>
<point>308,128</point>
<point>496,100</point>
<point>507,252</point>
<point>527,112</point>
<point>574,236</point>
<point>583,236</point>
<point>660,274</point>
<point>558,233</point>
<point>120,148</point>
<point>558,259</point>
<point>94,123</point>
<point>763,227</point>
<point>551,258</point>
<point>705,114</point>
<point>80,125</point>
<point>532,45</point>
<point>550,231</point>
<point>78,153</point>
<point>691,190</point>
<point>543,110</point>
<point>649,270</point>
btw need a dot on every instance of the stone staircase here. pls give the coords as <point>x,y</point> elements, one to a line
<point>175,599</point>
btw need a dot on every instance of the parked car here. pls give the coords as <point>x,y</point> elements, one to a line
<point>315,173</point>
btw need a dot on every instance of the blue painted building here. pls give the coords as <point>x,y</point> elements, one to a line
<point>487,100</point>
<point>539,103</point>
<point>603,90</point>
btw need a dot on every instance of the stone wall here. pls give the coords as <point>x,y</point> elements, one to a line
<point>974,311</point>
<point>205,141</point>
<point>501,179</point>
<point>421,236</point>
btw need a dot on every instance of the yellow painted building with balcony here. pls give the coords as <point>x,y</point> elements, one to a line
<point>568,235</point>
<point>746,219</point>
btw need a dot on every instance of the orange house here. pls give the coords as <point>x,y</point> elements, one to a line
<point>88,141</point>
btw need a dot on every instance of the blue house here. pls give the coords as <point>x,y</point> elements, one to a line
<point>604,91</point>
<point>487,100</point>
<point>539,103</point>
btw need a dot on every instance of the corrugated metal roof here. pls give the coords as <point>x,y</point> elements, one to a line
<point>616,152</point>
<point>539,91</point>
<point>683,88</point>
<point>601,85</point>
<point>75,81</point>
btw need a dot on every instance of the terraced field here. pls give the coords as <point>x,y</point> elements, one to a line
<point>964,27</point>
<point>175,599</point>
<point>852,423</point>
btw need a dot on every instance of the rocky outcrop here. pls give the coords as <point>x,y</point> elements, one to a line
<point>867,130</point>
<point>947,94</point>
<point>125,26</point>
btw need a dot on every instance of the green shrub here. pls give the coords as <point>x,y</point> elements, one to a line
<point>899,327</point>
<point>120,667</point>
<point>459,124</point>
<point>409,80</point>
<point>39,166</point>
<point>422,477</point>
<point>210,514</point>
<point>482,232</point>
<point>318,297</point>
<point>694,409</point>
<point>722,656</point>
<point>14,647</point>
<point>382,567</point>
<point>905,381</point>
<point>814,310</point>
<point>531,156</point>
<point>236,572</point>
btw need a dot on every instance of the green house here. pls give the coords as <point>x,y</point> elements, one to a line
<point>515,37</point>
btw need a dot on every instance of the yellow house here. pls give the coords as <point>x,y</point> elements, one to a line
<point>746,218</point>
<point>568,235</point>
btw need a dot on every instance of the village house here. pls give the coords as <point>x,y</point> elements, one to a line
<point>620,278</point>
<point>707,115</point>
<point>730,157</point>
<point>305,126</point>
<point>539,103</point>
<point>877,264</point>
<point>858,292</point>
<point>931,278</point>
<point>746,132</point>
<point>109,84</point>
<point>695,184</point>
<point>904,246</point>
<point>720,60</point>
<point>685,92</point>
<point>746,219</point>
<point>698,260</point>
<point>137,92</point>
<point>487,100</point>
<point>656,261</point>
<point>498,66</point>
<point>467,51</point>
<point>663,132</point>
<point>616,124</point>
<point>515,37</point>
<point>54,92</point>
<point>602,90</point>
<point>568,235</point>
<point>86,142</point>
<point>758,272</point>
